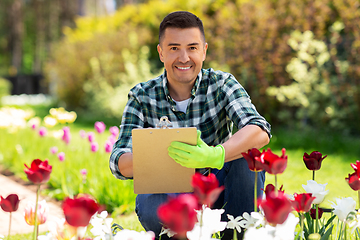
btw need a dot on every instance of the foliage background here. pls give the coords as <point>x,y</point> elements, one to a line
<point>248,38</point>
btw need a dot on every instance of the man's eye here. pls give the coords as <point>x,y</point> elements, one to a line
<point>173,48</point>
<point>193,48</point>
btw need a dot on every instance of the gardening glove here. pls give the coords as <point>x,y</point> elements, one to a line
<point>199,156</point>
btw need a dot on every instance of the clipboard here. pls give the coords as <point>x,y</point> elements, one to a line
<point>154,171</point>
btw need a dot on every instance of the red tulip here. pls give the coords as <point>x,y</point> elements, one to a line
<point>78,211</point>
<point>274,164</point>
<point>302,202</point>
<point>271,188</point>
<point>356,167</point>
<point>276,207</point>
<point>206,188</point>
<point>313,161</point>
<point>179,213</point>
<point>354,181</point>
<point>39,171</point>
<point>253,159</point>
<point>313,213</point>
<point>10,203</point>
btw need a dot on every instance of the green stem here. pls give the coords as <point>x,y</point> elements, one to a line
<point>313,175</point>
<point>344,230</point>
<point>255,192</point>
<point>235,234</point>
<point>276,184</point>
<point>9,227</point>
<point>317,217</point>
<point>302,225</point>
<point>36,208</point>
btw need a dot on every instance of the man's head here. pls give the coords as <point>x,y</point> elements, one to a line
<point>180,19</point>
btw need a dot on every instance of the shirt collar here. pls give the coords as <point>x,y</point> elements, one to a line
<point>193,90</point>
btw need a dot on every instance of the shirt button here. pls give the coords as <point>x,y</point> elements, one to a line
<point>168,97</point>
<point>173,108</point>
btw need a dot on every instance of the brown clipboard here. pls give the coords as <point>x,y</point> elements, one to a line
<point>154,171</point>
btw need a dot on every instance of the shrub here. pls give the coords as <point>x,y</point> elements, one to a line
<point>5,88</point>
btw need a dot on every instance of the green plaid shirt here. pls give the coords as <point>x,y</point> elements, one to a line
<point>217,102</point>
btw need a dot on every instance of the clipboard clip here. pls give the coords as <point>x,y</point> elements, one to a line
<point>164,123</point>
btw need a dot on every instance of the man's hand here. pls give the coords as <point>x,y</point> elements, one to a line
<point>199,156</point>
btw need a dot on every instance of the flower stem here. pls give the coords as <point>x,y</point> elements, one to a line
<point>9,226</point>
<point>255,192</point>
<point>302,225</point>
<point>317,217</point>
<point>276,184</point>
<point>235,234</point>
<point>36,208</point>
<point>313,175</point>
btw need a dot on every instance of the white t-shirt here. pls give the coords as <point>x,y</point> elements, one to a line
<point>182,105</point>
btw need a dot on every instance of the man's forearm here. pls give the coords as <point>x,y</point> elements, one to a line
<point>251,136</point>
<point>126,165</point>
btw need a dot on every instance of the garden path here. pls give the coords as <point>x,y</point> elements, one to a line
<point>26,193</point>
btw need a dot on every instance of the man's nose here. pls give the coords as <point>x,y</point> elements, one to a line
<point>184,56</point>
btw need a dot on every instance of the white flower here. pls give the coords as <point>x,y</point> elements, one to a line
<point>283,231</point>
<point>167,231</point>
<point>317,190</point>
<point>208,223</point>
<point>343,207</point>
<point>254,219</point>
<point>2,236</point>
<point>101,225</point>
<point>356,223</point>
<point>234,222</point>
<point>134,235</point>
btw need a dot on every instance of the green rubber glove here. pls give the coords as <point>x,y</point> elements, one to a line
<point>199,156</point>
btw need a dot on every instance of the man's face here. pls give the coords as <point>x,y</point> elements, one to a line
<point>182,51</point>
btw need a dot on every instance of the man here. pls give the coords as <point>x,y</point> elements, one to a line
<point>212,101</point>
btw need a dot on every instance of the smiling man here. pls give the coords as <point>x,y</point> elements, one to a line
<point>190,96</point>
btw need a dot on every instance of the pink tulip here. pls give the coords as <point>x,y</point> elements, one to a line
<point>53,150</point>
<point>61,156</point>
<point>42,131</point>
<point>33,126</point>
<point>94,146</point>
<point>108,146</point>
<point>83,172</point>
<point>112,139</point>
<point>91,136</point>
<point>100,127</point>
<point>114,130</point>
<point>82,133</point>
<point>67,136</point>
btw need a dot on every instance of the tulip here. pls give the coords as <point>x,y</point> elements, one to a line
<point>354,181</point>
<point>343,207</point>
<point>79,210</point>
<point>108,146</point>
<point>61,156</point>
<point>356,167</point>
<point>179,214</point>
<point>313,161</point>
<point>317,190</point>
<point>206,188</point>
<point>276,207</point>
<point>114,130</point>
<point>253,159</point>
<point>82,133</point>
<point>53,150</point>
<point>91,136</point>
<point>42,213</point>
<point>94,146</point>
<point>42,131</point>
<point>67,135</point>
<point>39,172</point>
<point>313,213</point>
<point>10,203</point>
<point>100,127</point>
<point>271,188</point>
<point>83,172</point>
<point>302,202</point>
<point>274,164</point>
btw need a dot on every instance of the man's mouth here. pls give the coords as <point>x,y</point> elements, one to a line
<point>183,68</point>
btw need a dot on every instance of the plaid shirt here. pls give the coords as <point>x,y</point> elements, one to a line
<point>217,101</point>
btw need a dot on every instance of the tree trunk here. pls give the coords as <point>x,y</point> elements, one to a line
<point>17,34</point>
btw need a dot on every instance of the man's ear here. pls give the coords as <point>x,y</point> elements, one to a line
<point>160,53</point>
<point>205,50</point>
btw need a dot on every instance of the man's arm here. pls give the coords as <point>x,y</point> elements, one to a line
<point>250,136</point>
<point>126,165</point>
